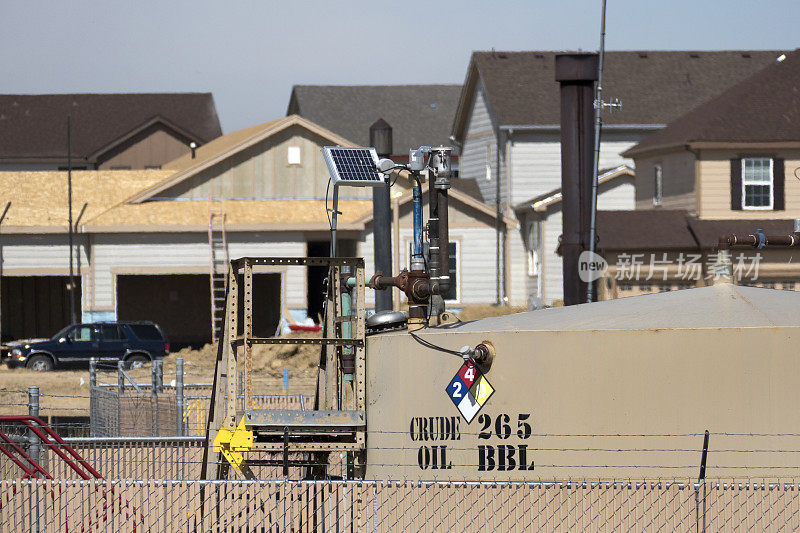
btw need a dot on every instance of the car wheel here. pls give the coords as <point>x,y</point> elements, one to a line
<point>40,363</point>
<point>136,361</point>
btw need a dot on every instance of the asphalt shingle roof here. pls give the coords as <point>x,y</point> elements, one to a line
<point>655,229</point>
<point>35,126</point>
<point>420,115</point>
<point>764,107</point>
<point>654,87</point>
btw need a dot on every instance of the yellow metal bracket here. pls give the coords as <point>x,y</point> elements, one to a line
<point>231,443</point>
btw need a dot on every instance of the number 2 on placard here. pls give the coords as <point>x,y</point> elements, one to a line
<point>456,389</point>
<point>470,373</point>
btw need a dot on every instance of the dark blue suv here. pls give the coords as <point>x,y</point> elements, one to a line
<point>136,343</point>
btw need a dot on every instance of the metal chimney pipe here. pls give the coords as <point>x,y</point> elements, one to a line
<point>576,73</point>
<point>380,137</point>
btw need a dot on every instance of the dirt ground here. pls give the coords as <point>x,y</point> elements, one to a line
<point>66,393</point>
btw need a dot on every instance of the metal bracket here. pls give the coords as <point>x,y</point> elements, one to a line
<point>300,420</point>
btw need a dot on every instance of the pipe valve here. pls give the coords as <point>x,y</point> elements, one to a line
<point>482,354</point>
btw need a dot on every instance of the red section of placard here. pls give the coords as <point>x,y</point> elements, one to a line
<point>468,373</point>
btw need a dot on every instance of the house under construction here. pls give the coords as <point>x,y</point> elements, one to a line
<point>154,244</point>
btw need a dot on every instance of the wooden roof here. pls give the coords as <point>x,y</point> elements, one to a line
<point>37,203</point>
<point>39,199</point>
<point>240,215</point>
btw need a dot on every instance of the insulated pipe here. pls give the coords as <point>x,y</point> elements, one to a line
<point>417,261</point>
<point>438,228</point>
<point>380,137</point>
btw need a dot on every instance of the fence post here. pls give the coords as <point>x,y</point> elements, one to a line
<point>157,376</point>
<point>33,410</point>
<point>120,377</point>
<point>179,394</point>
<point>93,372</point>
<point>93,412</point>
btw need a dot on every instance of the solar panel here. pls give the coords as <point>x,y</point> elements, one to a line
<point>352,166</point>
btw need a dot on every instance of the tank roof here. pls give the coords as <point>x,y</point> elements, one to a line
<point>716,306</point>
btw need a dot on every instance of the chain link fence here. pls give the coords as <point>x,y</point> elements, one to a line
<point>396,506</point>
<point>130,409</point>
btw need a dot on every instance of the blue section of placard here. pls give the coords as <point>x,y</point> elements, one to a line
<point>457,390</point>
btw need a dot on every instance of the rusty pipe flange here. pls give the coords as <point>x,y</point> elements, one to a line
<point>378,282</point>
<point>484,355</point>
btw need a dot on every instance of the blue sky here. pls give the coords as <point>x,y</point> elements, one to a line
<point>250,53</point>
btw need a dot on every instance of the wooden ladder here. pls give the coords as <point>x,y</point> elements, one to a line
<point>219,264</point>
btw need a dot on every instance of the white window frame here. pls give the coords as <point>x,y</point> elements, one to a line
<point>294,156</point>
<point>658,184</point>
<point>769,207</point>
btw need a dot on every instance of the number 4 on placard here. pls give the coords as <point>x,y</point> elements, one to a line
<point>470,374</point>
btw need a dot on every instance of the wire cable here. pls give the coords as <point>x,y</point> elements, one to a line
<point>432,346</point>
<point>327,211</point>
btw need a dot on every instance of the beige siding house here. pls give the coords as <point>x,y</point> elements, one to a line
<point>507,125</point>
<point>730,165</point>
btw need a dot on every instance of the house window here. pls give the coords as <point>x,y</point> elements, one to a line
<point>452,293</point>
<point>757,183</point>
<point>293,155</point>
<point>152,167</point>
<point>658,185</point>
<point>534,248</point>
<point>121,167</point>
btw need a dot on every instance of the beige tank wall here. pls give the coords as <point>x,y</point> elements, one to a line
<point>643,382</point>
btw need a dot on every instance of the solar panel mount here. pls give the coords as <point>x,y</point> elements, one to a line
<point>354,166</point>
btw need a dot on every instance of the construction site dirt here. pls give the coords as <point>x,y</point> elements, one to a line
<point>66,393</point>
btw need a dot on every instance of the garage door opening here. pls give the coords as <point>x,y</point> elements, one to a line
<point>35,306</point>
<point>181,305</point>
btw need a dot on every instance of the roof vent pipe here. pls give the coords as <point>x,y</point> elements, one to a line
<point>380,137</point>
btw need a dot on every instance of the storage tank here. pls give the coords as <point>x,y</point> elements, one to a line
<point>623,388</point>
